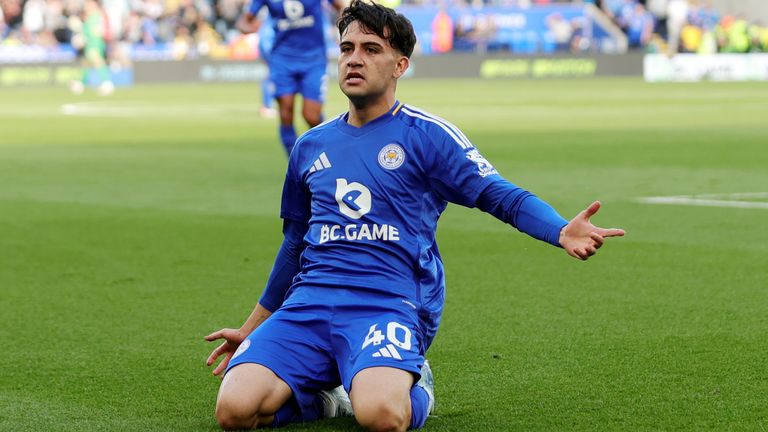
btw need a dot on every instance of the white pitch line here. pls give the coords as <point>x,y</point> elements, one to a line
<point>100,109</point>
<point>737,195</point>
<point>710,200</point>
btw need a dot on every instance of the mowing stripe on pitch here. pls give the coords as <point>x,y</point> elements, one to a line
<point>101,109</point>
<point>732,200</point>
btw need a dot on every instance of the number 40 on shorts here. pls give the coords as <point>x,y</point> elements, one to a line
<point>398,336</point>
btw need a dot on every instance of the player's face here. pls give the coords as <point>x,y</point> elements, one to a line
<point>368,65</point>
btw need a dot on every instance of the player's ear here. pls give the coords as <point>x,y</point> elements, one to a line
<point>401,66</point>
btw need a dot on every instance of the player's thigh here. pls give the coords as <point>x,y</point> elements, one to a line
<point>381,397</point>
<point>381,384</point>
<point>314,82</point>
<point>250,389</point>
<point>381,333</point>
<point>293,345</point>
<point>312,111</point>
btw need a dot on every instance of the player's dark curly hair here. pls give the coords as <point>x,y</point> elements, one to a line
<point>375,18</point>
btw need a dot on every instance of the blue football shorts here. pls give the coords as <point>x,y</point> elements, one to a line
<point>290,76</point>
<point>315,347</point>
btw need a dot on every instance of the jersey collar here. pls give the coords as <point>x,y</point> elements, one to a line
<point>371,125</point>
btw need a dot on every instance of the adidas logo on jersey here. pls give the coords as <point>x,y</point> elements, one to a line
<point>321,163</point>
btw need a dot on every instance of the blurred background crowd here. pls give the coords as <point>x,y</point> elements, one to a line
<point>689,26</point>
<point>188,28</point>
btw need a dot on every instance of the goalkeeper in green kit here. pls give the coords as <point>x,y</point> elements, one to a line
<point>94,46</point>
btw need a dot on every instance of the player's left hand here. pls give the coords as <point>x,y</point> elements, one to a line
<point>248,24</point>
<point>232,339</point>
<point>581,239</point>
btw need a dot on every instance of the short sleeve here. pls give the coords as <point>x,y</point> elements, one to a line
<point>256,6</point>
<point>458,172</point>
<point>295,203</point>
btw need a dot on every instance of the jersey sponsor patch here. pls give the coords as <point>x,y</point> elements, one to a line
<point>391,156</point>
<point>293,9</point>
<point>354,199</point>
<point>354,232</point>
<point>484,168</point>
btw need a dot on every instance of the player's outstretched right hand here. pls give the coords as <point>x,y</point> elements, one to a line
<point>581,239</point>
<point>232,339</point>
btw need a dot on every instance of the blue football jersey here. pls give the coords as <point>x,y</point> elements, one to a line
<point>372,197</point>
<point>298,27</point>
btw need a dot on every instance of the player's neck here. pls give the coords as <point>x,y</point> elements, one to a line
<point>363,111</point>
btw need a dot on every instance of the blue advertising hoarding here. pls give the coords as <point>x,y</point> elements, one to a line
<point>533,30</point>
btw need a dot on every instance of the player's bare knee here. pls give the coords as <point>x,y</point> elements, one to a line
<point>233,414</point>
<point>286,118</point>
<point>382,417</point>
<point>285,108</point>
<point>312,111</point>
<point>228,421</point>
<point>313,119</point>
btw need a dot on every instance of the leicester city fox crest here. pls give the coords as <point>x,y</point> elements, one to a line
<point>391,156</point>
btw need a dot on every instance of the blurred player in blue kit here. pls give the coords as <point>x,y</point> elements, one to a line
<point>266,40</point>
<point>357,290</point>
<point>298,59</point>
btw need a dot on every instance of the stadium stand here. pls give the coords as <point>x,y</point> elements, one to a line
<point>686,26</point>
<point>182,29</point>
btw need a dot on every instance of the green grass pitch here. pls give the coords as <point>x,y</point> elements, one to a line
<point>133,225</point>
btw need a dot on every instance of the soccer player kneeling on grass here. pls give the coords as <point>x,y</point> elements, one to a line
<point>357,290</point>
